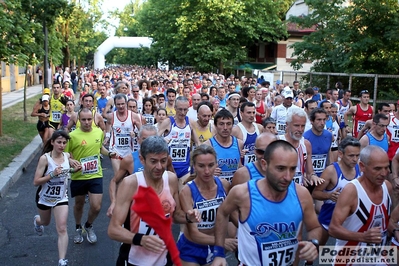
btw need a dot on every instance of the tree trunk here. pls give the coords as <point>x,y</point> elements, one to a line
<point>65,50</point>
<point>25,87</point>
<point>221,67</point>
<point>67,59</point>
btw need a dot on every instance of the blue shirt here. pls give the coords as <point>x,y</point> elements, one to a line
<point>320,148</point>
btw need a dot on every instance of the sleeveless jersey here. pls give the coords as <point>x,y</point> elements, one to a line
<point>93,123</point>
<point>380,143</point>
<point>302,157</point>
<point>228,157</point>
<point>56,189</point>
<point>179,144</point>
<point>102,103</point>
<point>137,166</point>
<point>254,172</point>
<point>149,119</point>
<point>329,123</point>
<point>262,110</point>
<point>320,148</point>
<point>139,255</point>
<point>136,145</point>
<point>207,207</point>
<point>342,109</point>
<point>327,208</point>
<point>237,118</point>
<point>204,135</point>
<point>56,109</point>
<point>360,118</point>
<point>85,147</point>
<point>44,111</point>
<point>170,111</point>
<point>393,134</point>
<point>249,142</point>
<point>334,131</point>
<point>121,141</point>
<point>366,216</point>
<point>270,233</point>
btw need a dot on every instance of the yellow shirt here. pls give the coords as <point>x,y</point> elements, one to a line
<point>56,109</point>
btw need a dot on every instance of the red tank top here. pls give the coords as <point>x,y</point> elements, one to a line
<point>261,109</point>
<point>360,118</point>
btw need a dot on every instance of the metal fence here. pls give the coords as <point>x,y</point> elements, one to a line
<point>326,80</point>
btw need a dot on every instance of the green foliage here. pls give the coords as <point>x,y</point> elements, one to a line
<point>17,133</point>
<point>357,38</point>
<point>207,34</point>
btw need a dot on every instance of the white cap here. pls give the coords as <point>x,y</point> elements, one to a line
<point>287,93</point>
<point>45,97</point>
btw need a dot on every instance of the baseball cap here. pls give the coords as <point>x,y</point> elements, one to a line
<point>45,98</point>
<point>46,91</point>
<point>278,82</point>
<point>287,94</point>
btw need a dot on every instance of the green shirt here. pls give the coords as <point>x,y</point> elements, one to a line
<point>85,147</point>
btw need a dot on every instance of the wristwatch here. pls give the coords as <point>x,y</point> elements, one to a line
<point>315,242</point>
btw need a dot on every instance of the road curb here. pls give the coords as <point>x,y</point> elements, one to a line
<point>14,170</point>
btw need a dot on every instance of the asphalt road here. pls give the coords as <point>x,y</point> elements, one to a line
<point>19,244</point>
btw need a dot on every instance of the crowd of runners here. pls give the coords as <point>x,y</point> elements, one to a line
<point>242,164</point>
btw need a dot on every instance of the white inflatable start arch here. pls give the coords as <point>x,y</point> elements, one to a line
<point>118,42</point>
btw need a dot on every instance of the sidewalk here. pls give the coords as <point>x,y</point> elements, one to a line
<point>11,98</point>
<point>14,170</point>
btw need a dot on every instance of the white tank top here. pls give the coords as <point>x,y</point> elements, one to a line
<point>56,189</point>
<point>121,141</point>
<point>367,215</point>
<point>139,255</point>
<point>335,129</point>
<point>302,157</point>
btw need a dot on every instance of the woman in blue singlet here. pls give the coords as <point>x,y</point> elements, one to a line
<point>205,193</point>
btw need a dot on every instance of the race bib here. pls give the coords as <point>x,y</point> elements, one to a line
<point>55,191</point>
<point>150,120</point>
<point>395,134</point>
<point>298,178</point>
<point>228,175</point>
<point>178,154</point>
<point>360,125</point>
<point>122,141</point>
<point>319,162</point>
<point>56,116</point>
<point>249,158</point>
<point>281,127</point>
<point>280,252</point>
<point>145,229</point>
<point>89,165</point>
<point>208,210</point>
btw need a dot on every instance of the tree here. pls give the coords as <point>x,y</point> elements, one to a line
<point>360,37</point>
<point>209,33</point>
<point>78,26</point>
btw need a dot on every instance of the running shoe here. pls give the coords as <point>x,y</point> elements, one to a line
<point>63,262</point>
<point>39,229</point>
<point>91,236</point>
<point>78,238</point>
